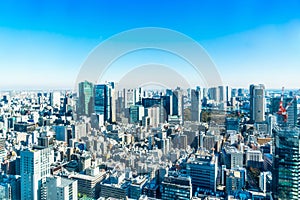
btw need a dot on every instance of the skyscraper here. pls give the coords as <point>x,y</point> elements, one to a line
<point>178,102</point>
<point>86,95</point>
<point>104,101</point>
<point>55,99</point>
<point>129,97</point>
<point>286,164</point>
<point>35,167</point>
<point>195,105</point>
<point>257,103</point>
<point>136,113</point>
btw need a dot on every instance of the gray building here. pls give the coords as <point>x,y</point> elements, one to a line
<point>195,105</point>
<point>257,103</point>
<point>232,157</point>
<point>61,188</point>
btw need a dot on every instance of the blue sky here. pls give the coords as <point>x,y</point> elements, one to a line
<point>44,43</point>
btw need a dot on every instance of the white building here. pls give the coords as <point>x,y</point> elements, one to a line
<point>153,114</point>
<point>61,188</point>
<point>55,99</point>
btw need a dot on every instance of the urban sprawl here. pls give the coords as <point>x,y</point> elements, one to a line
<point>106,142</point>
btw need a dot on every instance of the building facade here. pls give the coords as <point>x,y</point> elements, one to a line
<point>286,164</point>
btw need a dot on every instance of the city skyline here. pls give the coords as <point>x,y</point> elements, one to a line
<point>44,46</point>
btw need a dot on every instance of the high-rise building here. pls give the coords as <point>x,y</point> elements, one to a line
<point>113,94</point>
<point>35,167</point>
<point>149,102</point>
<point>214,94</point>
<point>153,114</point>
<point>129,97</point>
<point>178,102</point>
<point>286,164</point>
<point>10,187</point>
<point>61,188</point>
<point>222,94</point>
<point>195,105</point>
<point>55,99</point>
<point>139,94</point>
<point>228,94</point>
<point>86,97</point>
<point>168,104</point>
<point>257,103</point>
<point>136,113</point>
<point>104,101</point>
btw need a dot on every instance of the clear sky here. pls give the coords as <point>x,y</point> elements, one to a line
<point>44,43</point>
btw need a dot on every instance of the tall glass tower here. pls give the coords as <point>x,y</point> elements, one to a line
<point>103,95</point>
<point>86,95</point>
<point>286,164</point>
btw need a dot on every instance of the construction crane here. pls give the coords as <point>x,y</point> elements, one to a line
<point>283,110</point>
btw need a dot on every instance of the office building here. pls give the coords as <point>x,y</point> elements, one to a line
<point>178,102</point>
<point>257,103</point>
<point>136,187</point>
<point>150,102</point>
<point>10,187</point>
<point>61,188</point>
<point>208,141</point>
<point>254,159</point>
<point>129,97</point>
<point>176,187</point>
<point>232,157</point>
<point>222,94</point>
<point>195,105</point>
<point>232,124</point>
<point>214,94</point>
<point>265,181</point>
<point>115,186</point>
<point>104,101</point>
<point>89,183</point>
<point>35,167</point>
<point>235,179</point>
<point>55,99</point>
<point>202,168</point>
<point>136,113</point>
<point>286,164</point>
<point>86,97</point>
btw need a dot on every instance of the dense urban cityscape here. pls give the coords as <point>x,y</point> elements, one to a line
<point>149,100</point>
<point>105,142</point>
